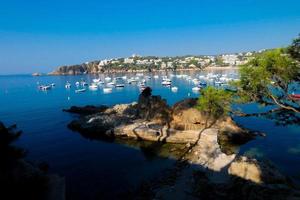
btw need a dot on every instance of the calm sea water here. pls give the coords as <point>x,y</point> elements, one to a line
<point>100,169</point>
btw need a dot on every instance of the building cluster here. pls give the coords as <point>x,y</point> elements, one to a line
<point>178,62</point>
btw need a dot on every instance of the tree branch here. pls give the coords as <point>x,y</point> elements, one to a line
<point>240,114</point>
<point>284,106</point>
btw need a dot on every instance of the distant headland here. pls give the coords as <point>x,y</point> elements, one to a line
<point>136,63</point>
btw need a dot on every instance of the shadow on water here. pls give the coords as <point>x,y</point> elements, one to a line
<point>168,184</point>
<point>199,185</point>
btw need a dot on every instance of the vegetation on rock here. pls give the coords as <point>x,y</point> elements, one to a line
<point>214,103</point>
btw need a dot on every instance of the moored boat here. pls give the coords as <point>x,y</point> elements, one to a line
<point>132,81</point>
<point>174,89</point>
<point>295,96</point>
<point>166,82</point>
<point>107,90</point>
<point>196,89</point>
<point>80,90</point>
<point>120,85</point>
<point>96,80</point>
<point>110,84</point>
<point>68,85</point>
<point>93,86</point>
<point>45,87</point>
<point>107,78</point>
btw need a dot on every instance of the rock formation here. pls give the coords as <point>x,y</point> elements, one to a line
<point>208,149</point>
<point>152,119</point>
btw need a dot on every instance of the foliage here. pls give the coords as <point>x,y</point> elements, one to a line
<point>214,102</point>
<point>193,62</point>
<point>294,49</point>
<point>268,78</point>
<point>219,61</point>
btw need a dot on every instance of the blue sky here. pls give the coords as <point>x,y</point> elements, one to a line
<point>38,36</point>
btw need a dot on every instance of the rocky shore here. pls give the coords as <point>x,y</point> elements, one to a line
<point>209,148</point>
<point>79,70</point>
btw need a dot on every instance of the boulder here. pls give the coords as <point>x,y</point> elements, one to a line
<point>86,110</point>
<point>256,171</point>
<point>153,107</point>
<point>186,117</point>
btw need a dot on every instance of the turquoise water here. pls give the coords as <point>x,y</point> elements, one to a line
<point>96,168</point>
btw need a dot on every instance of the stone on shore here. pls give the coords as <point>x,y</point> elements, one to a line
<point>86,110</point>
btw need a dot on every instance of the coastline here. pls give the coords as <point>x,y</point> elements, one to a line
<point>202,163</point>
<point>147,71</point>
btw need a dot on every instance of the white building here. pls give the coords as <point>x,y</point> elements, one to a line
<point>230,59</point>
<point>103,62</point>
<point>170,64</point>
<point>128,60</point>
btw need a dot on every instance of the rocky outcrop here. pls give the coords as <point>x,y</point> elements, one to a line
<point>207,173</point>
<point>150,119</point>
<point>86,110</point>
<point>256,171</point>
<point>153,108</point>
<point>90,67</point>
<point>102,125</point>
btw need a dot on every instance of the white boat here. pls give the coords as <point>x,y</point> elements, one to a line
<point>166,82</point>
<point>174,89</point>
<point>111,84</point>
<point>45,87</point>
<point>196,89</point>
<point>96,80</point>
<point>139,74</point>
<point>83,83</point>
<point>80,90</point>
<point>156,76</point>
<point>124,77</point>
<point>93,86</point>
<point>77,83</point>
<point>52,84</point>
<point>68,85</point>
<point>107,90</point>
<point>218,82</point>
<point>107,78</point>
<point>120,85</point>
<point>131,81</point>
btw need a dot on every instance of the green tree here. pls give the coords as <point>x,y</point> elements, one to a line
<point>219,61</point>
<point>294,49</point>
<point>214,103</point>
<point>268,79</point>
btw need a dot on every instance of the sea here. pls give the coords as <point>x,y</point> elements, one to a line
<point>95,169</point>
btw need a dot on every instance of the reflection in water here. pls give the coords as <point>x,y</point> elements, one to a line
<point>254,153</point>
<point>294,150</point>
